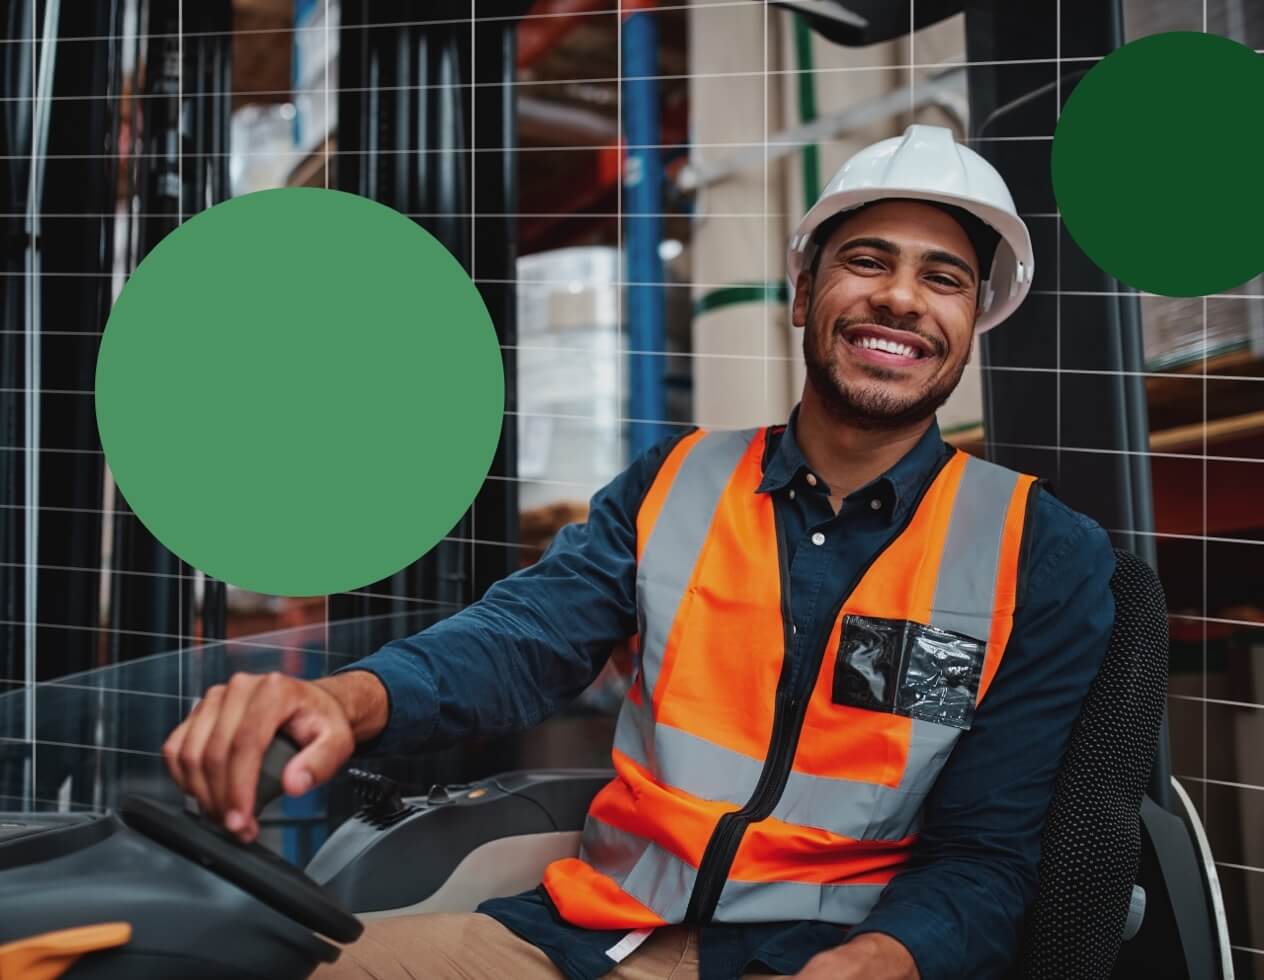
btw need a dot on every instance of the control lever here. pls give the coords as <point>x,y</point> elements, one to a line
<point>277,756</point>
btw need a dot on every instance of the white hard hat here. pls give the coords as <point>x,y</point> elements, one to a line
<point>927,164</point>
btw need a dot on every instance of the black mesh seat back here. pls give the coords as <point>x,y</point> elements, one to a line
<point>1092,838</point>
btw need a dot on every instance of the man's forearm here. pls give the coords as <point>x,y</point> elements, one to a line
<point>364,701</point>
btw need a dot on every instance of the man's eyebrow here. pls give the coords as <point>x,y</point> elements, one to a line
<point>934,255</point>
<point>881,244</point>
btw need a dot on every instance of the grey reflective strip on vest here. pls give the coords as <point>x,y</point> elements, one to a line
<point>654,877</point>
<point>663,882</point>
<point>965,590</point>
<point>871,811</point>
<point>611,851</point>
<point>668,560</point>
<point>780,901</point>
<point>849,808</point>
<point>634,735</point>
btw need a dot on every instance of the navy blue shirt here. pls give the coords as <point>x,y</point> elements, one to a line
<point>540,636</point>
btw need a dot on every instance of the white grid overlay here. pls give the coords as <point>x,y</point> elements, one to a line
<point>1206,453</point>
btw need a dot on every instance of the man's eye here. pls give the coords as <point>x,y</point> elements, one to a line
<point>870,263</point>
<point>945,280</point>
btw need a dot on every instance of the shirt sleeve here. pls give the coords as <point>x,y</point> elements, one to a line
<point>532,643</point>
<point>959,907</point>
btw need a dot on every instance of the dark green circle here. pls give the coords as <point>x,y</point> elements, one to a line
<point>1157,164</point>
<point>299,391</point>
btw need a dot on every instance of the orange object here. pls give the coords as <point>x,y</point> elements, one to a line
<point>51,954</point>
<point>709,726</point>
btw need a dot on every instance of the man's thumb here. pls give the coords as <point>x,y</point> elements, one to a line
<point>297,778</point>
<point>314,764</point>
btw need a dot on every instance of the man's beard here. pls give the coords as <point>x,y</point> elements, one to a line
<point>861,405</point>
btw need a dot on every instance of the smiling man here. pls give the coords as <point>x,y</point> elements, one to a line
<point>860,652</point>
<point>889,305</point>
<point>901,369</point>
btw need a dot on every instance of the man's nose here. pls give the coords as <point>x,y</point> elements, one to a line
<point>900,296</point>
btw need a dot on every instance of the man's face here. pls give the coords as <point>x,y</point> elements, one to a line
<point>889,315</point>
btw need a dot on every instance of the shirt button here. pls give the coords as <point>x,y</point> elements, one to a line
<point>791,494</point>
<point>876,504</point>
<point>818,538</point>
<point>811,480</point>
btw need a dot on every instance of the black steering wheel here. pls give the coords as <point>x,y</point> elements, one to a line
<point>251,867</point>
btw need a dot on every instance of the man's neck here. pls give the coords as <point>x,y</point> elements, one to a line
<point>845,456</point>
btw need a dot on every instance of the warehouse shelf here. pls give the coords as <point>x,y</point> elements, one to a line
<point>1239,361</point>
<point>1194,361</point>
<point>1228,383</point>
<point>1189,436</point>
<point>1233,386</point>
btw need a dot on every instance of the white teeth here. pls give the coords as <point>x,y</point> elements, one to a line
<point>889,346</point>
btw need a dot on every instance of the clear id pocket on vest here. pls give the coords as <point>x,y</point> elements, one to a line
<point>908,669</point>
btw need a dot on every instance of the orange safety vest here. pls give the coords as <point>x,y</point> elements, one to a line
<point>745,794</point>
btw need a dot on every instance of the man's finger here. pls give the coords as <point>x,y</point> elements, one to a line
<point>272,702</point>
<point>217,755</point>
<point>200,725</point>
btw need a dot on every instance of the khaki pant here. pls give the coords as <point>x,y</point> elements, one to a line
<point>471,946</point>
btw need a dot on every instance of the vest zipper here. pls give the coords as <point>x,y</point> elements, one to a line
<point>787,726</point>
<point>722,847</point>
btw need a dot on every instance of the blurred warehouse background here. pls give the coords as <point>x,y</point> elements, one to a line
<point>619,177</point>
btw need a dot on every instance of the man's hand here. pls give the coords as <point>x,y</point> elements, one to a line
<point>215,755</point>
<point>870,956</point>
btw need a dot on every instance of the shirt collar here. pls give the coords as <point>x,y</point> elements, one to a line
<point>901,483</point>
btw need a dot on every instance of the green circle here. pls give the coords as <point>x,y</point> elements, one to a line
<point>299,391</point>
<point>1157,161</point>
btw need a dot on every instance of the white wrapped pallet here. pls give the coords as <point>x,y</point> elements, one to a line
<point>572,379</point>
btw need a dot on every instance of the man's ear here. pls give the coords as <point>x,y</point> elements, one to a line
<point>802,299</point>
